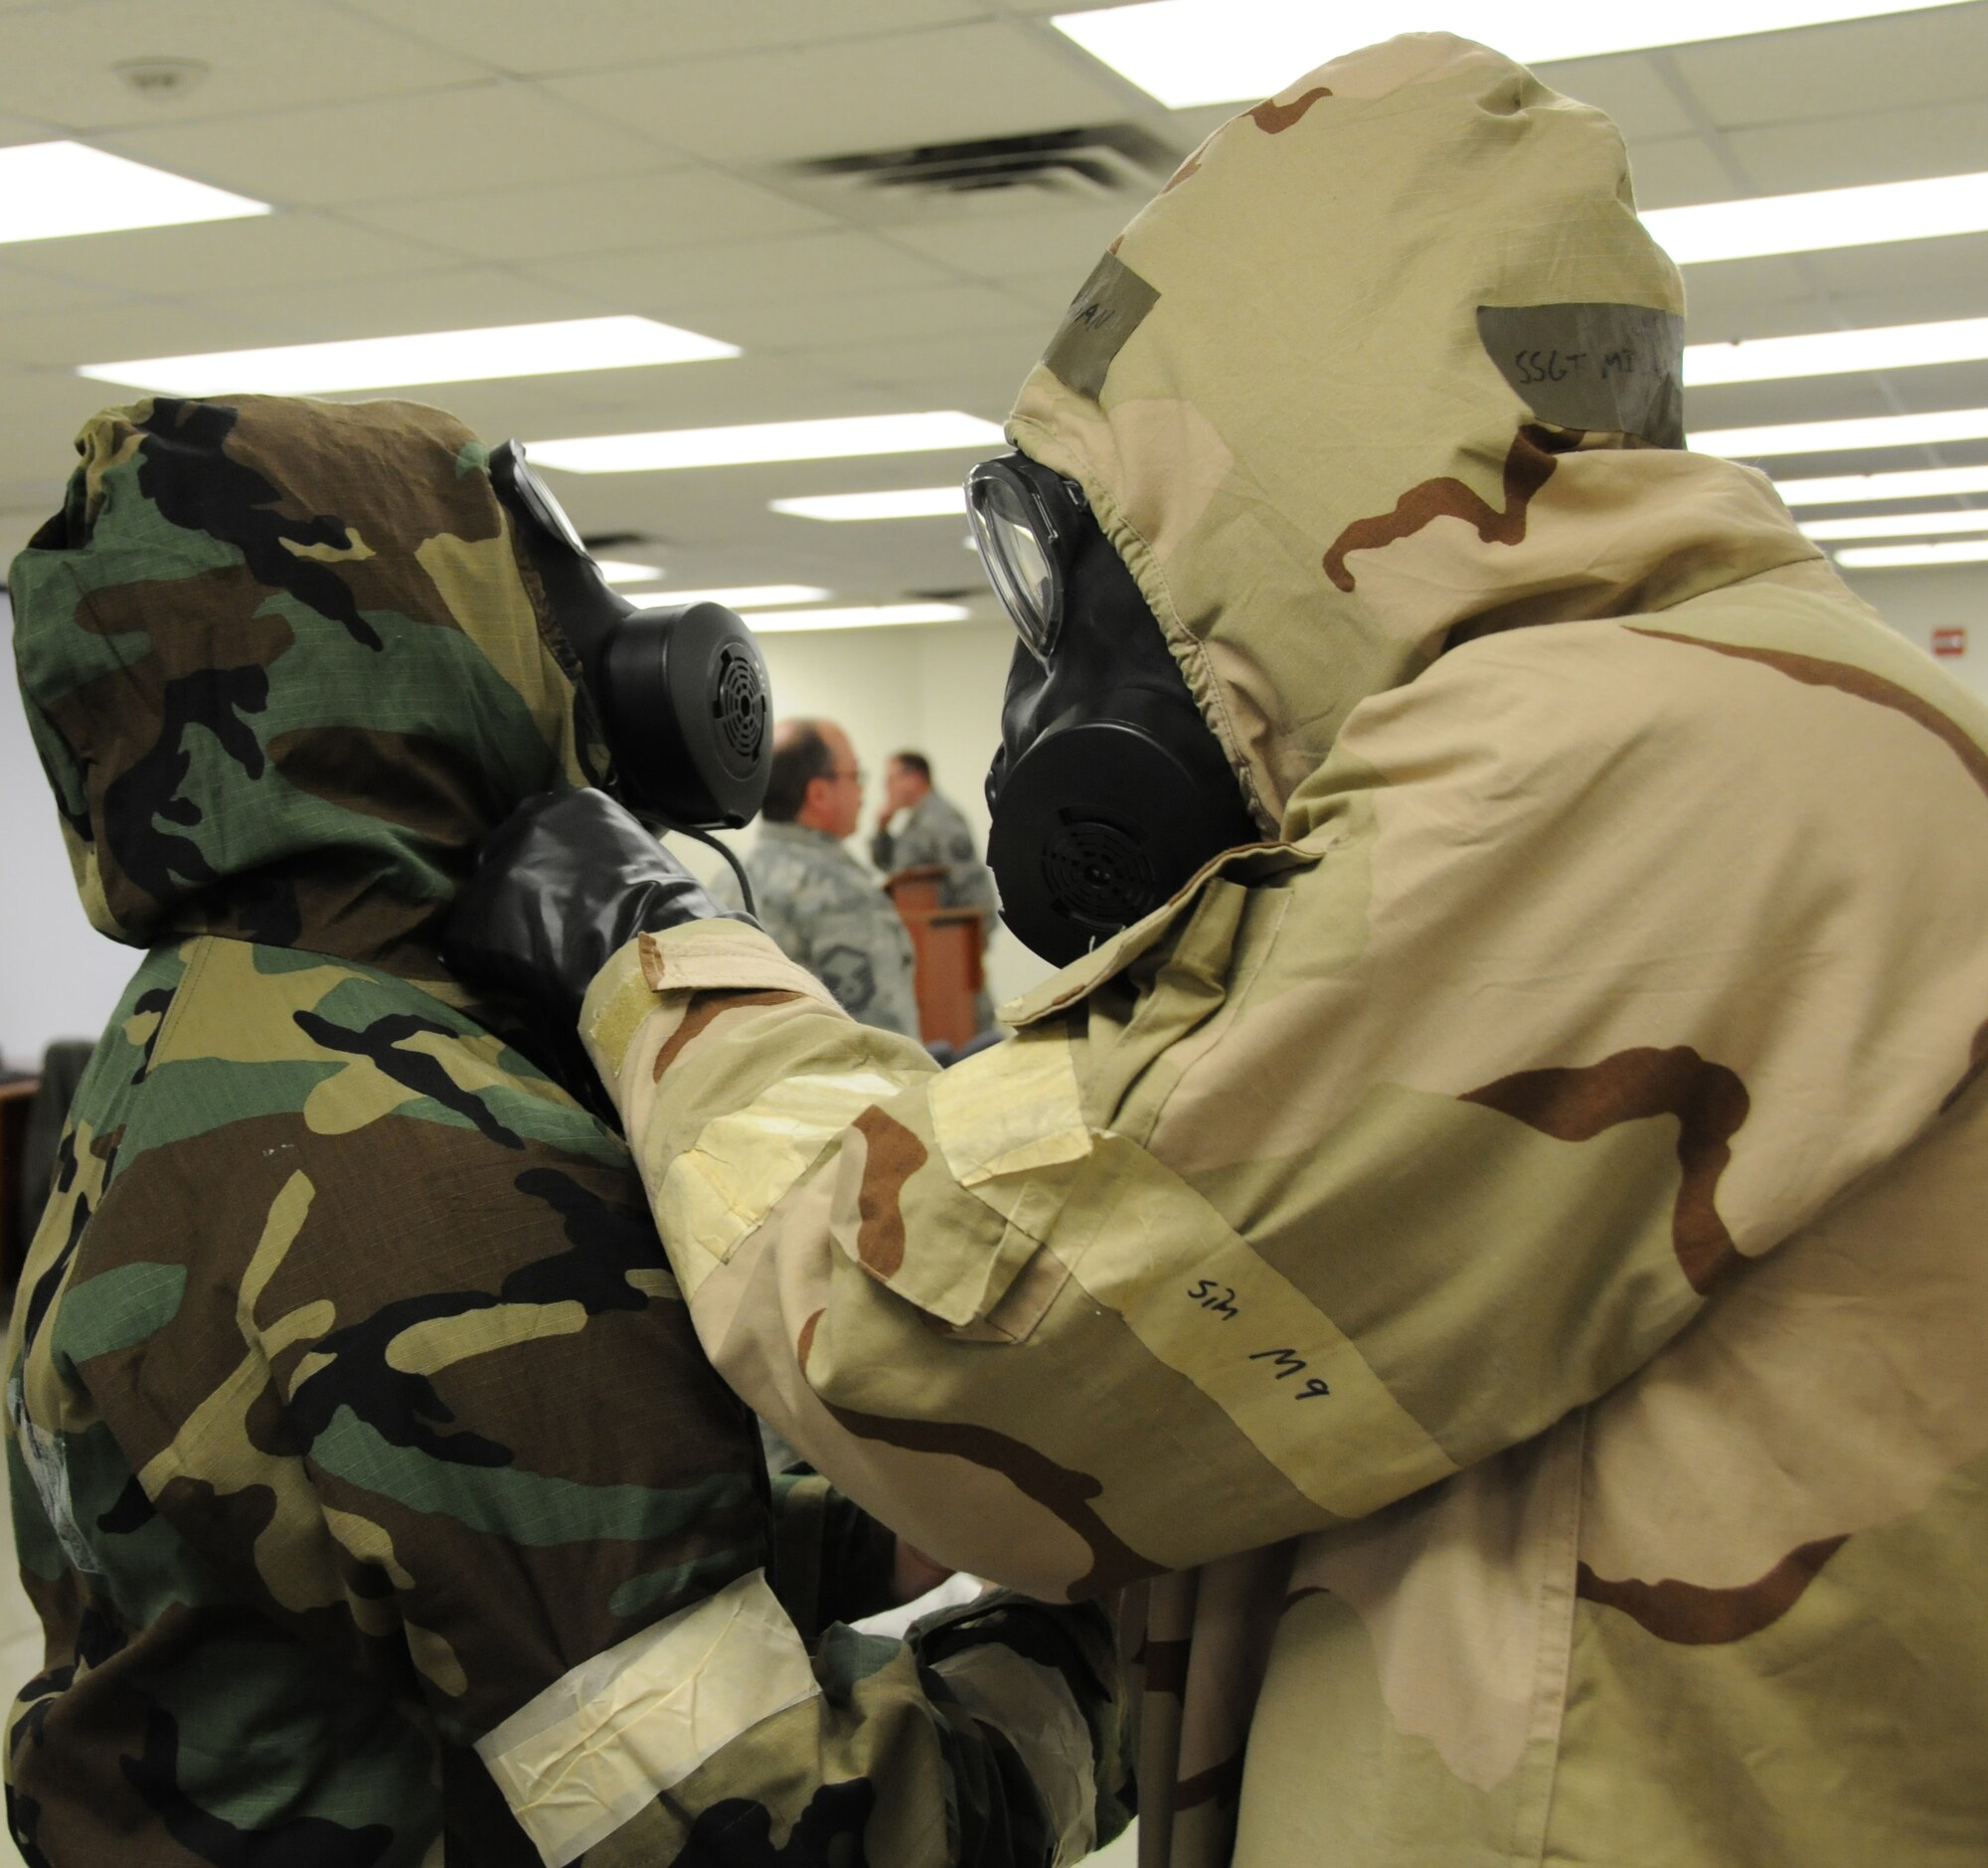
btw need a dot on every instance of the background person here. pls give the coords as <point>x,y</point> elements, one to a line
<point>1506,1250</point>
<point>929,829</point>
<point>376,1498</point>
<point>826,911</point>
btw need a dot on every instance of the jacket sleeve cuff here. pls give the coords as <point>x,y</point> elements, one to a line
<point>716,956</point>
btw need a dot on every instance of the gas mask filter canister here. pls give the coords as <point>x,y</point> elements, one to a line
<point>682,695</point>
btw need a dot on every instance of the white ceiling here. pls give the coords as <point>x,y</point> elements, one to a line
<point>442,163</point>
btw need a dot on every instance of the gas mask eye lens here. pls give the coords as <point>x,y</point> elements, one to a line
<point>1018,539</point>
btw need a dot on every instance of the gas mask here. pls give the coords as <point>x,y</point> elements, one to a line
<point>682,695</point>
<point>1109,791</point>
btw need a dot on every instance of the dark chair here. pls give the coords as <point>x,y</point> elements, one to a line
<point>27,1175</point>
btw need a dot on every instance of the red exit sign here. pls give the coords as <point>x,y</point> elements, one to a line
<point>1949,642</point>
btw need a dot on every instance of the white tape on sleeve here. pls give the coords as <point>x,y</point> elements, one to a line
<point>603,1741</point>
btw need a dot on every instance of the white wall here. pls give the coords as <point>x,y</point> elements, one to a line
<point>937,687</point>
<point>1916,601</point>
<point>59,978</point>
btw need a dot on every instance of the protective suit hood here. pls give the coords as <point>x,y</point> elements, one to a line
<point>1390,362</point>
<point>284,674</point>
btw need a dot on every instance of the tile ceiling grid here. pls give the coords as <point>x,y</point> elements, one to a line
<point>1821,306</point>
<point>437,162</point>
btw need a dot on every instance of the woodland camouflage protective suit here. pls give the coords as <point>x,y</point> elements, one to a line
<point>365,1473</point>
<point>1510,1247</point>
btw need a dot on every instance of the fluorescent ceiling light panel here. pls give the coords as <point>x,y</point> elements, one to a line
<point>1888,556</point>
<point>481,355</point>
<point>54,191</point>
<point>622,570</point>
<point>1194,52</point>
<point>747,597</point>
<point>1822,438</point>
<point>1837,353</point>
<point>780,621</point>
<point>836,438</point>
<point>917,502</point>
<point>1898,525</point>
<point>1845,489</point>
<point>1814,223</point>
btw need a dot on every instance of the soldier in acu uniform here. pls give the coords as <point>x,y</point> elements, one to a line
<point>826,911</point>
<point>1496,1232</point>
<point>930,831</point>
<point>377,1499</point>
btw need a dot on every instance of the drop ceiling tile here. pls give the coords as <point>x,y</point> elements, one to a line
<point>1679,172</point>
<point>1908,61</point>
<point>715,395</point>
<point>824,322</point>
<point>1826,397</point>
<point>529,36</point>
<point>23,291</point>
<point>990,78</point>
<point>1807,399</point>
<point>276,249</point>
<point>1922,303</point>
<point>1739,299</point>
<point>1884,146</point>
<point>1045,296</point>
<point>45,408</point>
<point>447,299</point>
<point>660,209</point>
<point>1927,270</point>
<point>1630,86</point>
<point>262,55</point>
<point>750,273</point>
<point>1946,386</point>
<point>59,340</point>
<point>997,248</point>
<point>25,130</point>
<point>532,406</point>
<point>491,136</point>
<point>1003,357</point>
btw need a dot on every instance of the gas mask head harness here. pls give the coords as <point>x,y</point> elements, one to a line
<point>1109,791</point>
<point>682,695</point>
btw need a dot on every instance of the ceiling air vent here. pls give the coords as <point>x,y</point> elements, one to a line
<point>1066,165</point>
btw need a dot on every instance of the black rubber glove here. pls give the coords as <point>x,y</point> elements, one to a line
<point>566,882</point>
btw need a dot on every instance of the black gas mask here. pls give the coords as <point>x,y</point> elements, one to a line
<point>682,695</point>
<point>1110,790</point>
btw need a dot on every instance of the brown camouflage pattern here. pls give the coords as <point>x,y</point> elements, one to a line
<point>1504,1256</point>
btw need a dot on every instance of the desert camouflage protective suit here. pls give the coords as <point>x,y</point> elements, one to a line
<point>377,1499</point>
<point>1510,1247</point>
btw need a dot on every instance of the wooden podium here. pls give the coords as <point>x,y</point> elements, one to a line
<point>946,943</point>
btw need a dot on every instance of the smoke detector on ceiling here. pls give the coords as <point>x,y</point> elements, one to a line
<point>160,80</point>
<point>1092,164</point>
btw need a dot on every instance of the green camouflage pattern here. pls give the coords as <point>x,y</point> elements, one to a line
<point>356,686</point>
<point>934,832</point>
<point>1496,1268</point>
<point>831,915</point>
<point>359,1434</point>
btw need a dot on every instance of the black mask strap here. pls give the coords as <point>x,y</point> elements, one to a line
<point>683,695</point>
